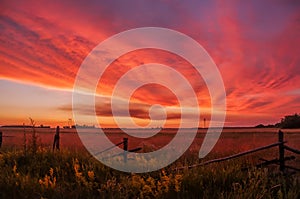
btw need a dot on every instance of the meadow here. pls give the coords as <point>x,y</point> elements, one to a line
<point>37,172</point>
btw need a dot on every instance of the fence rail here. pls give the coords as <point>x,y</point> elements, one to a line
<point>292,150</point>
<point>281,144</point>
<point>235,155</point>
<point>280,161</point>
<point>125,148</point>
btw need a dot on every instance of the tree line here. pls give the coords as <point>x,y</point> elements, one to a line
<point>287,122</point>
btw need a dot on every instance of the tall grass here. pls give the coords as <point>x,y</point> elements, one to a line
<point>33,137</point>
<point>71,174</point>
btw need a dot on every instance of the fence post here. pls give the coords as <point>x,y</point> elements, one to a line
<point>0,139</point>
<point>56,139</point>
<point>125,147</point>
<point>281,151</point>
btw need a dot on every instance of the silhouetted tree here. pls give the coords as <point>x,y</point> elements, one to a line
<point>290,121</point>
<point>260,126</point>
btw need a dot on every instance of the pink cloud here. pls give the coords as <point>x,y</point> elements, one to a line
<point>257,51</point>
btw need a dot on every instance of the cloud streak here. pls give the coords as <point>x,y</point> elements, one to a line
<point>255,45</point>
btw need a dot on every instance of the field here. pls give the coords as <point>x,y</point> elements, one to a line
<point>231,139</point>
<point>72,172</point>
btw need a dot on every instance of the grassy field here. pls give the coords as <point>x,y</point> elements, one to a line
<point>69,174</point>
<point>231,140</point>
<point>73,173</point>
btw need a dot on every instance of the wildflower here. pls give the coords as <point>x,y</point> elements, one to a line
<point>79,177</point>
<point>137,181</point>
<point>151,182</point>
<point>165,181</point>
<point>15,168</point>
<point>76,165</point>
<point>159,187</point>
<point>52,182</point>
<point>48,180</point>
<point>51,171</point>
<point>91,175</point>
<point>147,190</point>
<point>177,182</point>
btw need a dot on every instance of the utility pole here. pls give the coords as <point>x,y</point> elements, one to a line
<point>70,122</point>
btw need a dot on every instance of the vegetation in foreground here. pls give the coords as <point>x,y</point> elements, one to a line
<point>68,174</point>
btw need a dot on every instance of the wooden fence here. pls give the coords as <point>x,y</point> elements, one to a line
<point>281,160</point>
<point>125,148</point>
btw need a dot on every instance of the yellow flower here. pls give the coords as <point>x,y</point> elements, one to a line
<point>76,165</point>
<point>53,182</point>
<point>78,174</point>
<point>15,168</point>
<point>51,171</point>
<point>48,181</point>
<point>147,189</point>
<point>159,187</point>
<point>165,182</point>
<point>91,175</point>
<point>178,179</point>
<point>151,182</point>
<point>137,181</point>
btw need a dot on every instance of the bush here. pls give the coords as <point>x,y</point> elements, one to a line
<point>290,121</point>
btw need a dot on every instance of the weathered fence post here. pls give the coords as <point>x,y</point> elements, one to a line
<point>125,147</point>
<point>281,151</point>
<point>0,139</point>
<point>56,139</point>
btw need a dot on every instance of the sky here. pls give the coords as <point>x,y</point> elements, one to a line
<point>254,44</point>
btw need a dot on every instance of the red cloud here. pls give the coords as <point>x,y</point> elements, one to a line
<point>256,51</point>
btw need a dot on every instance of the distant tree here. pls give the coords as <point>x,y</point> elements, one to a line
<point>290,121</point>
<point>260,126</point>
<point>265,126</point>
<point>278,125</point>
<point>270,126</point>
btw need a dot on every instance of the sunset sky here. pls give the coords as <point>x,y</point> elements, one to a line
<point>255,45</point>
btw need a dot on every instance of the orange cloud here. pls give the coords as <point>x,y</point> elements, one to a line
<point>256,51</point>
